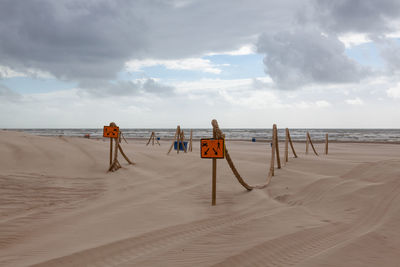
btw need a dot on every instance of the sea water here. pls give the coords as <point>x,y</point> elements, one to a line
<point>344,135</point>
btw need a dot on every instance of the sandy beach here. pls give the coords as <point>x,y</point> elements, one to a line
<point>60,207</point>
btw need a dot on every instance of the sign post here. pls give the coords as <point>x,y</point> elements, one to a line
<point>213,149</point>
<point>112,132</point>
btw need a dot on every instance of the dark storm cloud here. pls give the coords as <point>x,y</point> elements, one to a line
<point>365,16</point>
<point>91,40</point>
<point>302,57</point>
<point>69,39</point>
<point>390,52</point>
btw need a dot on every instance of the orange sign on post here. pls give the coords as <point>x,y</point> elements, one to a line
<point>212,148</point>
<point>110,131</point>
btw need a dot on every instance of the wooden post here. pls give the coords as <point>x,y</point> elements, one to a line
<point>114,164</point>
<point>278,159</point>
<point>178,138</point>
<point>326,144</point>
<point>312,146</point>
<point>111,148</point>
<point>307,142</point>
<point>291,144</point>
<point>151,135</point>
<point>287,145</point>
<point>183,141</point>
<point>272,163</point>
<point>175,138</point>
<point>214,176</point>
<point>157,140</point>
<point>190,141</point>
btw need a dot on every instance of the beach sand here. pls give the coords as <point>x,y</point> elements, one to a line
<point>60,207</point>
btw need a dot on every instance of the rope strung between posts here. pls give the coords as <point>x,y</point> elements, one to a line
<point>114,163</point>
<point>123,138</point>
<point>220,135</point>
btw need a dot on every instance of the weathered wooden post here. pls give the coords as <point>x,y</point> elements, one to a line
<point>326,144</point>
<point>273,146</point>
<point>278,159</point>
<point>286,145</point>
<point>112,132</point>
<point>312,146</point>
<point>190,141</point>
<point>215,149</point>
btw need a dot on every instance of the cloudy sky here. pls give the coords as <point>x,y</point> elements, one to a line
<point>159,63</point>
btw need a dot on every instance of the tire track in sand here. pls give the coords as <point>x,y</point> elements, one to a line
<point>294,248</point>
<point>121,251</point>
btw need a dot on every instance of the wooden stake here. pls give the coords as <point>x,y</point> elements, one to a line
<point>114,164</point>
<point>307,142</point>
<point>312,146</point>
<point>178,130</point>
<point>272,163</point>
<point>151,135</point>
<point>326,144</point>
<point>157,141</point>
<point>287,145</point>
<point>190,142</point>
<point>175,138</point>
<point>111,150</point>
<point>291,144</point>
<point>183,141</point>
<point>278,159</point>
<point>214,176</point>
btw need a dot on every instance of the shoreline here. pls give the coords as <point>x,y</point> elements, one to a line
<point>239,140</point>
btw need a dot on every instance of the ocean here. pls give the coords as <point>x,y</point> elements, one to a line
<point>340,135</point>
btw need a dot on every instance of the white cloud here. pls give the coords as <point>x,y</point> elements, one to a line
<point>316,104</point>
<point>322,104</point>
<point>194,64</point>
<point>6,72</point>
<point>241,51</point>
<point>394,92</point>
<point>356,101</point>
<point>253,100</point>
<point>354,39</point>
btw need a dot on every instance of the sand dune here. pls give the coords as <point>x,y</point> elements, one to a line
<point>59,206</point>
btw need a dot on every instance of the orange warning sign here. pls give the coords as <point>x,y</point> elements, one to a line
<point>212,148</point>
<point>110,131</point>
